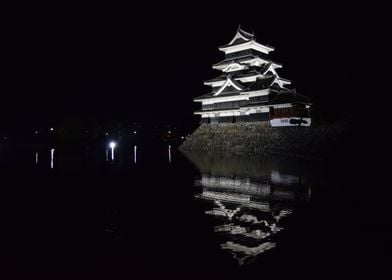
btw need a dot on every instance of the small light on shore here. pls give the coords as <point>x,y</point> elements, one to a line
<point>51,129</point>
<point>134,132</point>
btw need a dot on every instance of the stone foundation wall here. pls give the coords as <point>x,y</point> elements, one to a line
<point>259,138</point>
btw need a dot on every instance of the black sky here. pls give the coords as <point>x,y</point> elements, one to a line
<point>145,61</point>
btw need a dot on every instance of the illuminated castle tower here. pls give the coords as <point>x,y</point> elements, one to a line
<point>249,88</point>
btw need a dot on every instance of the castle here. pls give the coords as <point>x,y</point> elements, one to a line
<point>249,88</point>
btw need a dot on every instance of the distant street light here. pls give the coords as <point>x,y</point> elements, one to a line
<point>112,145</point>
<point>51,129</point>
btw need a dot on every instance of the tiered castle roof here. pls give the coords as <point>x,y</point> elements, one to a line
<point>245,68</point>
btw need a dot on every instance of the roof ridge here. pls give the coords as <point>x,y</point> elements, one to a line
<point>245,33</point>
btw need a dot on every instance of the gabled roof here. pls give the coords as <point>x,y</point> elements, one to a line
<point>224,62</point>
<point>248,40</point>
<point>240,60</point>
<point>264,68</point>
<point>240,72</point>
<point>284,80</point>
<point>235,66</point>
<point>230,86</point>
<point>240,37</point>
<point>245,34</point>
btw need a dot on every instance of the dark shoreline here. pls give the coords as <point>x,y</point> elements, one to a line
<point>309,143</point>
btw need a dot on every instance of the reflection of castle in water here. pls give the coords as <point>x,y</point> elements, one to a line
<point>248,209</point>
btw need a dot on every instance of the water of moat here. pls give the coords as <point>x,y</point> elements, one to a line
<point>161,214</point>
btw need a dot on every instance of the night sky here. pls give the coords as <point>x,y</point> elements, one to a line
<point>146,62</point>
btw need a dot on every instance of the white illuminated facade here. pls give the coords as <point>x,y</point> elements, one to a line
<point>249,88</point>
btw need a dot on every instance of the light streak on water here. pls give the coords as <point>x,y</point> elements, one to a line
<point>112,146</point>
<point>51,158</point>
<point>134,154</point>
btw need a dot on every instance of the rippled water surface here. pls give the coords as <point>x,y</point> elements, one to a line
<point>155,212</point>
